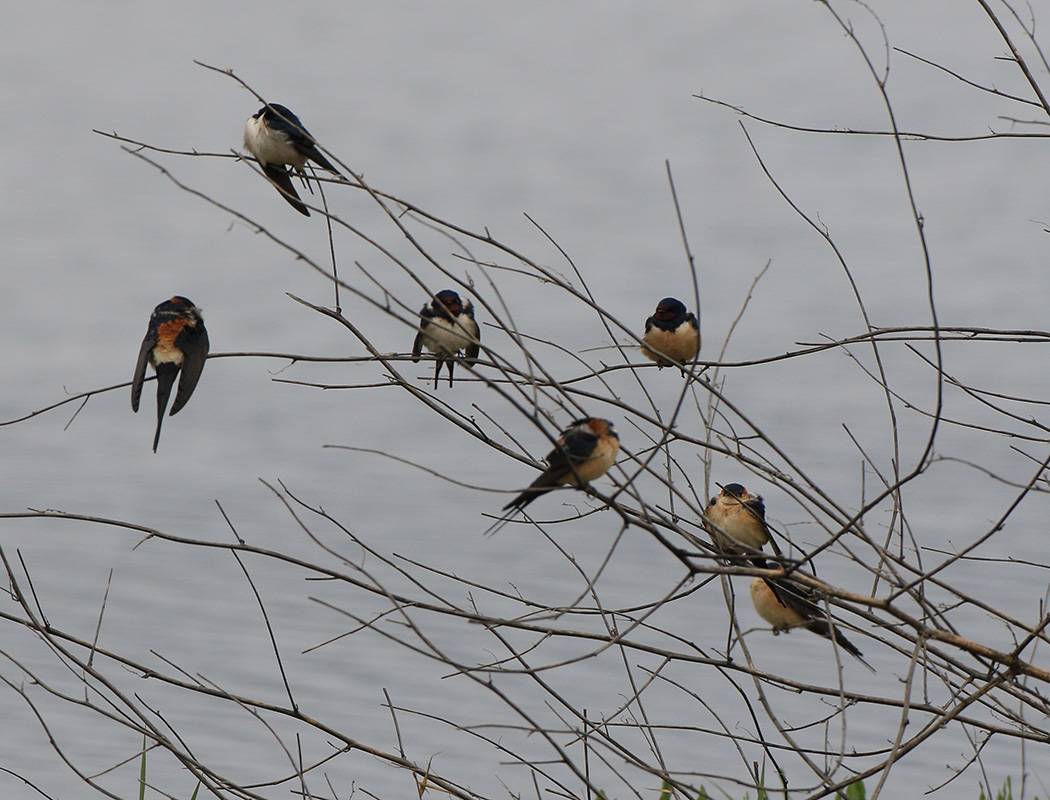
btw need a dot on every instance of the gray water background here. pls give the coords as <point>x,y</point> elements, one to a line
<point>480,113</point>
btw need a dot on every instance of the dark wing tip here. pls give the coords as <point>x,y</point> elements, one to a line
<point>283,181</point>
<point>318,158</point>
<point>136,392</point>
<point>140,368</point>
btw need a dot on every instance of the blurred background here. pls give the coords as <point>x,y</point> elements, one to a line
<point>482,114</point>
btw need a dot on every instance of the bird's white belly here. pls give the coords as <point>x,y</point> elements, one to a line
<point>166,353</point>
<point>270,147</point>
<point>681,344</point>
<point>445,337</point>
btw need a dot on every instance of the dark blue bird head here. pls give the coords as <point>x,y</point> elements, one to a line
<point>275,111</point>
<point>450,300</point>
<point>669,308</point>
<point>177,303</point>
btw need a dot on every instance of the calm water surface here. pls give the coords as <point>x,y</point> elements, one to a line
<point>481,114</point>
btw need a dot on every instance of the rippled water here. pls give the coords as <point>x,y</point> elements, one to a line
<point>480,114</point>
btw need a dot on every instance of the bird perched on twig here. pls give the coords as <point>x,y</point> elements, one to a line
<point>447,326</point>
<point>175,341</point>
<point>584,451</point>
<point>786,604</point>
<point>278,140</point>
<point>672,335</point>
<point>736,517</point>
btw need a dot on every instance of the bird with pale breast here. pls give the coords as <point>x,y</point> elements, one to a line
<point>279,142</point>
<point>736,517</point>
<point>787,604</point>
<point>583,452</point>
<point>672,334</point>
<point>446,328</point>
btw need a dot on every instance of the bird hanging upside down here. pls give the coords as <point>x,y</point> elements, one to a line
<point>175,342</point>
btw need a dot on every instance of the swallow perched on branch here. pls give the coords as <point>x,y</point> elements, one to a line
<point>735,517</point>
<point>278,140</point>
<point>584,451</point>
<point>672,335</point>
<point>786,604</point>
<point>447,326</point>
<point>175,341</point>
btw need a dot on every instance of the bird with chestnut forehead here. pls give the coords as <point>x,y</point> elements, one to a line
<point>176,343</point>
<point>447,327</point>
<point>583,452</point>
<point>736,520</point>
<point>672,335</point>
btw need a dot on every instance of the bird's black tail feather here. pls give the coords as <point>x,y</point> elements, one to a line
<point>166,373</point>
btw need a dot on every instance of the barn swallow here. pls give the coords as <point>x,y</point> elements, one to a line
<point>736,517</point>
<point>584,451</point>
<point>175,340</point>
<point>278,140</point>
<point>785,604</point>
<point>447,326</point>
<point>672,335</point>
